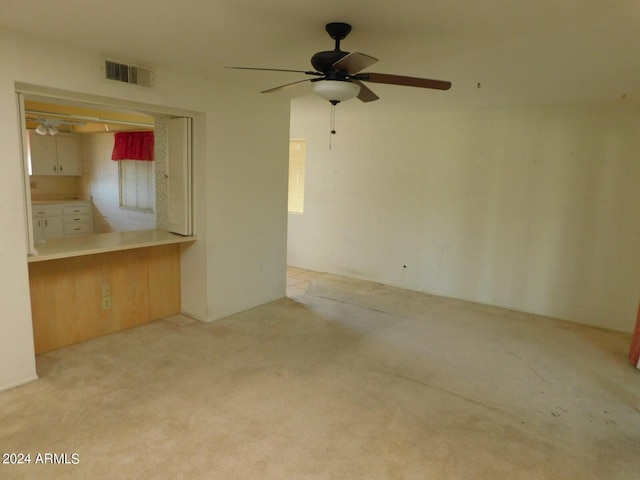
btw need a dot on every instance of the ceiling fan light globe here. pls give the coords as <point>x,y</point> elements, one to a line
<point>41,129</point>
<point>336,90</point>
<point>52,130</point>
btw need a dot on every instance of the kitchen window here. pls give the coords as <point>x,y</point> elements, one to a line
<point>137,185</point>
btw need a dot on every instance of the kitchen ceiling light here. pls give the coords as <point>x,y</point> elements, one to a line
<point>48,126</point>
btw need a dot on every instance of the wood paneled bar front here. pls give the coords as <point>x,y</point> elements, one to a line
<point>103,288</point>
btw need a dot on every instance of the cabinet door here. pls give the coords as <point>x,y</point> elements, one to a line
<point>53,227</point>
<point>38,230</point>
<point>43,154</point>
<point>69,155</point>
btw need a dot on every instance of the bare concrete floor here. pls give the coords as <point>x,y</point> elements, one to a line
<point>344,379</point>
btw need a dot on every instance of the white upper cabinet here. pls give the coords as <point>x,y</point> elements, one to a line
<point>69,154</point>
<point>43,157</point>
<point>55,155</point>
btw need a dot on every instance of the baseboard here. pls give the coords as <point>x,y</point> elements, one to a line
<point>191,315</point>
<point>19,383</point>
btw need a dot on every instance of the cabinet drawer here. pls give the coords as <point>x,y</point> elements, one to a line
<point>80,209</point>
<point>77,218</point>
<point>77,229</point>
<point>46,210</point>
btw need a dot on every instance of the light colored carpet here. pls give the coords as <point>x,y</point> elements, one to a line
<point>344,380</point>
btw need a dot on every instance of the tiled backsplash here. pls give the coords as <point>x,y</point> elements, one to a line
<point>45,197</point>
<point>53,185</point>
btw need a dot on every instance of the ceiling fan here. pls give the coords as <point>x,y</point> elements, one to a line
<point>338,76</point>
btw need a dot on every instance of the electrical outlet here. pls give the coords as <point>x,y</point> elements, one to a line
<point>106,290</point>
<point>106,303</point>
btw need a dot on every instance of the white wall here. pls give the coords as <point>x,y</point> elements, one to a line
<point>534,209</point>
<point>247,220</point>
<point>16,334</point>
<point>235,238</point>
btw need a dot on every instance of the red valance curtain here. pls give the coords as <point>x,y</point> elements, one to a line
<point>133,146</point>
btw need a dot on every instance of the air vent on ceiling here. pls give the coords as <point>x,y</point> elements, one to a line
<point>127,73</point>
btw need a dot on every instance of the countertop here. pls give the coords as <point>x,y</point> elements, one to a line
<point>57,248</point>
<point>43,199</point>
<point>67,201</point>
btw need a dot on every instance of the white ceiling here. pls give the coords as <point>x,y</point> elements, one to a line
<point>522,52</point>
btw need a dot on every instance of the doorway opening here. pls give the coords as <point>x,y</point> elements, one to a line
<point>71,179</point>
<point>68,146</point>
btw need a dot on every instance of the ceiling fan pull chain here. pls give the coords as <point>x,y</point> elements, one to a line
<point>333,122</point>
<point>333,119</point>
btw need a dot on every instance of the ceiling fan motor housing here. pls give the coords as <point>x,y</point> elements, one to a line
<point>323,61</point>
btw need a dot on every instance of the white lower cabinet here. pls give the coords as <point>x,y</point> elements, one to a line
<point>78,219</point>
<point>47,227</point>
<point>57,220</point>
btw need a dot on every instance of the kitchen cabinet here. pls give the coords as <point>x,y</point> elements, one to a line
<point>47,222</point>
<point>57,220</point>
<point>55,154</point>
<point>77,219</point>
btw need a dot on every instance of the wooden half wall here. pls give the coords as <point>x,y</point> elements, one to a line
<point>67,295</point>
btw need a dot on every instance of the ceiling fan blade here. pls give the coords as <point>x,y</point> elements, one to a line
<point>307,72</point>
<point>354,62</point>
<point>366,94</point>
<point>282,87</point>
<point>405,81</point>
